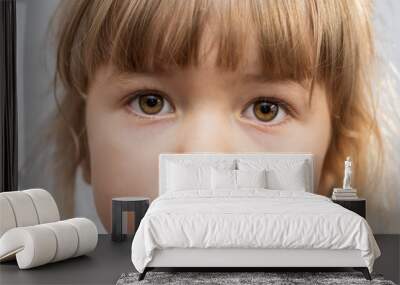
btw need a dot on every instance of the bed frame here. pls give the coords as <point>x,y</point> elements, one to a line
<point>248,259</point>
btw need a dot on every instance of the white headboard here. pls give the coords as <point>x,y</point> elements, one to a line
<point>164,157</point>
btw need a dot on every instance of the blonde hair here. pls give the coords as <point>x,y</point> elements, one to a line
<point>328,42</point>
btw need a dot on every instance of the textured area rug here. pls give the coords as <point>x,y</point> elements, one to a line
<point>225,278</point>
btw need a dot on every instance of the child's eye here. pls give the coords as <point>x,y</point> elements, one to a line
<point>266,111</point>
<point>150,103</point>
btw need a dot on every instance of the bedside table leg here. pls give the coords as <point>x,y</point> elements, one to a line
<point>116,234</point>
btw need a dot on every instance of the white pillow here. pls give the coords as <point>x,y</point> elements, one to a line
<point>293,179</point>
<point>282,174</point>
<point>229,179</point>
<point>251,178</point>
<point>223,179</point>
<point>185,177</point>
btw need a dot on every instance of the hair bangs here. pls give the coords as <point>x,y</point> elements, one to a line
<point>293,40</point>
<point>149,36</point>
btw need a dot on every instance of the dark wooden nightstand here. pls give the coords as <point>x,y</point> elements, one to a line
<point>357,205</point>
<point>138,205</point>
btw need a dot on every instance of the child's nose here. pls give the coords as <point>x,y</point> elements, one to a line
<point>205,131</point>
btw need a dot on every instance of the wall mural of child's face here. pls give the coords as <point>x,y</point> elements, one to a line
<point>132,118</point>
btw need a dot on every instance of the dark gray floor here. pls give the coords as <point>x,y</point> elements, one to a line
<point>111,259</point>
<point>103,266</point>
<point>389,262</point>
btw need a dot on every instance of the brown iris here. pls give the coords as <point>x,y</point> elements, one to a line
<point>265,111</point>
<point>151,104</point>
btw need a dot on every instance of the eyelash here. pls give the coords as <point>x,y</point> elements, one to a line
<point>281,104</point>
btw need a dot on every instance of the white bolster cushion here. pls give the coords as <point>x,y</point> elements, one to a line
<point>87,235</point>
<point>33,246</point>
<point>7,218</point>
<point>40,244</point>
<point>23,208</point>
<point>26,208</point>
<point>46,207</point>
<point>67,239</point>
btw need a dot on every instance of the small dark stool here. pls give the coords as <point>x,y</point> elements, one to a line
<point>138,205</point>
<point>357,205</point>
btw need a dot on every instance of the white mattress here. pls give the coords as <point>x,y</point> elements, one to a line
<point>251,218</point>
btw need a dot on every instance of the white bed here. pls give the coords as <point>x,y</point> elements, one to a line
<point>250,226</point>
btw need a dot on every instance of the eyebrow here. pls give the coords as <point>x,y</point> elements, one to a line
<point>262,79</point>
<point>258,78</point>
<point>244,77</point>
<point>252,77</point>
<point>127,75</point>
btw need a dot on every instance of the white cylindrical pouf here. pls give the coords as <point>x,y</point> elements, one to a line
<point>45,205</point>
<point>23,208</point>
<point>7,218</point>
<point>34,245</point>
<point>87,233</point>
<point>40,244</point>
<point>67,239</point>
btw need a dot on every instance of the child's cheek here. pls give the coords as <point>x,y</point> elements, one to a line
<point>124,159</point>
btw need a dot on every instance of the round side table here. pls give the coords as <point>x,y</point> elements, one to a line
<point>138,205</point>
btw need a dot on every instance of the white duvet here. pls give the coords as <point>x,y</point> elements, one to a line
<point>251,218</point>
